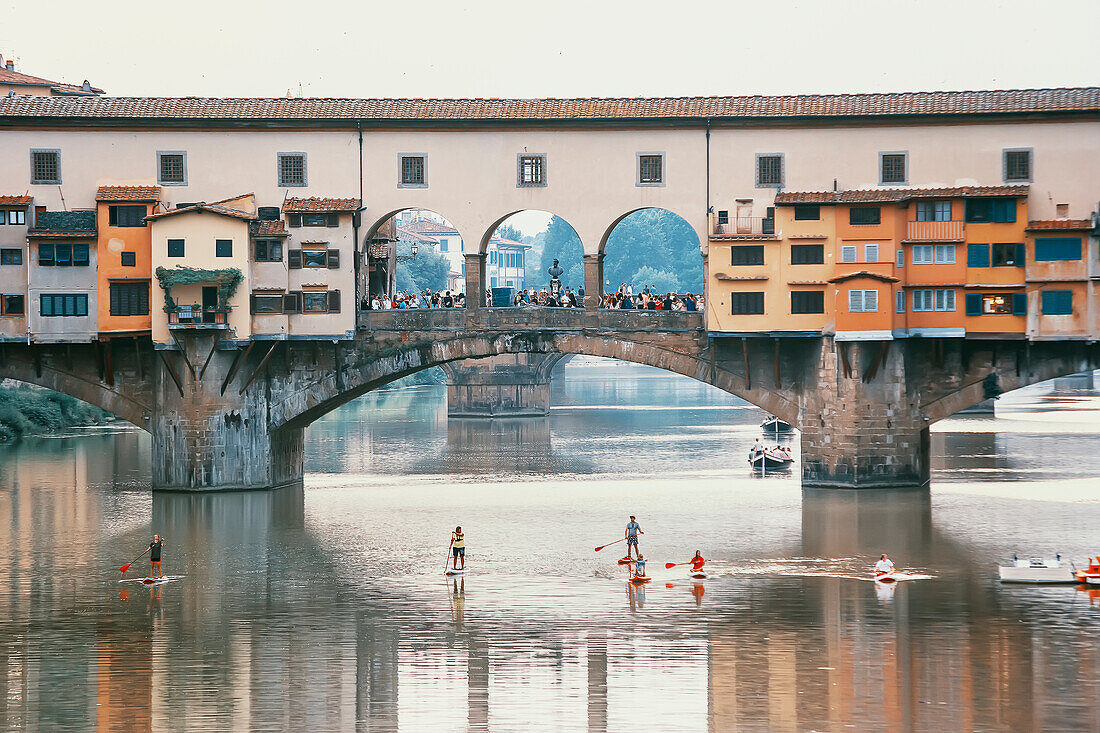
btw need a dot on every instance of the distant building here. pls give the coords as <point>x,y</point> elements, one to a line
<point>12,81</point>
<point>505,259</point>
<point>506,266</point>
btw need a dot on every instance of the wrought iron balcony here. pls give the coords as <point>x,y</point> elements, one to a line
<point>746,226</point>
<point>197,317</point>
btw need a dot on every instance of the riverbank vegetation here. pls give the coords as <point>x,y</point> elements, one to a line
<point>26,410</point>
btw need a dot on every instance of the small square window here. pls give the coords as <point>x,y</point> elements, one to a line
<point>292,169</point>
<point>15,216</point>
<point>807,212</point>
<point>175,248</point>
<point>223,248</point>
<point>46,166</point>
<point>848,253</point>
<point>126,216</point>
<point>269,250</point>
<point>412,170</point>
<point>651,168</point>
<point>1017,165</point>
<point>11,257</point>
<point>531,171</point>
<point>172,168</point>
<point>808,301</point>
<point>723,217</point>
<point>870,253</point>
<point>892,168</point>
<point>769,170</point>
<point>862,215</point>
<point>315,302</point>
<point>14,305</point>
<point>129,259</point>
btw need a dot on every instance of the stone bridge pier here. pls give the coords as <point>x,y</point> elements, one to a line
<point>509,385</point>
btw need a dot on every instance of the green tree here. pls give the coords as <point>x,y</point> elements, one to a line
<point>658,281</point>
<point>428,269</point>
<point>507,231</point>
<point>655,239</point>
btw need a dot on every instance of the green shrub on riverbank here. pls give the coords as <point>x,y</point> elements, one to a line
<point>31,411</point>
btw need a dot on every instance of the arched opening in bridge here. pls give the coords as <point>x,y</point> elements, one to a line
<point>412,258</point>
<point>521,251</point>
<point>652,252</point>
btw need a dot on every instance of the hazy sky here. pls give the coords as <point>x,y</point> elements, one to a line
<point>557,48</point>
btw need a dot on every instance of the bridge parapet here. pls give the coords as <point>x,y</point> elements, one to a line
<point>522,318</point>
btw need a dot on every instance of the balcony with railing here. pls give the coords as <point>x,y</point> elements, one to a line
<point>935,231</point>
<point>745,227</point>
<point>197,317</point>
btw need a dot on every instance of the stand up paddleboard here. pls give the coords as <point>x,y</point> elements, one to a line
<point>626,561</point>
<point>638,579</point>
<point>697,574</point>
<point>149,580</point>
<point>453,571</point>
<point>886,577</point>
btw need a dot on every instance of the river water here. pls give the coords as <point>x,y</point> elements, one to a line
<point>326,608</point>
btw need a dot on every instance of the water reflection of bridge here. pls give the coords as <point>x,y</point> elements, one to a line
<point>267,649</point>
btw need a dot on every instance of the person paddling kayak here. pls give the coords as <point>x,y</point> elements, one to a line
<point>458,548</point>
<point>155,548</point>
<point>697,562</point>
<point>633,529</point>
<point>884,565</point>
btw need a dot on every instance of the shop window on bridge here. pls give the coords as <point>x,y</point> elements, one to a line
<point>11,257</point>
<point>996,304</point>
<point>1053,249</point>
<point>746,304</point>
<point>268,250</point>
<point>808,301</point>
<point>993,211</point>
<point>12,305</point>
<point>807,212</point>
<point>268,303</point>
<point>13,216</point>
<point>863,215</point>
<point>62,254</point>
<point>1008,254</point>
<point>313,258</point>
<point>126,216</point>
<point>933,211</point>
<point>130,299</point>
<point>320,301</point>
<point>56,304</point>
<point>807,254</point>
<point>1057,302</point>
<point>746,254</point>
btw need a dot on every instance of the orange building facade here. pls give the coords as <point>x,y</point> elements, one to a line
<point>125,265</point>
<point>886,263</point>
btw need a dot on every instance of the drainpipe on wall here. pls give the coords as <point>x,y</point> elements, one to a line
<point>355,219</point>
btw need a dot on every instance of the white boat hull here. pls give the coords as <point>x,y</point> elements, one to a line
<point>1093,580</point>
<point>1012,574</point>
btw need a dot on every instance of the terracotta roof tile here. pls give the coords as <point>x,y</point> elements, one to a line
<point>10,76</point>
<point>269,229</point>
<point>128,193</point>
<point>324,205</point>
<point>16,200</point>
<point>429,227</point>
<point>864,274</point>
<point>1059,224</point>
<point>894,195</point>
<point>949,103</point>
<point>212,208</point>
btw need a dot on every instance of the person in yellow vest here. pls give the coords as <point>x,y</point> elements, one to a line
<point>458,548</point>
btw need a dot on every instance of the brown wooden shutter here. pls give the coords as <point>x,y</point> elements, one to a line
<point>112,215</point>
<point>332,220</point>
<point>294,220</point>
<point>294,259</point>
<point>333,259</point>
<point>334,301</point>
<point>292,302</point>
<point>252,304</point>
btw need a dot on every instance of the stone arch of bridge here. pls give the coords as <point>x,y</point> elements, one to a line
<point>612,258</point>
<point>700,234</point>
<point>369,371</point>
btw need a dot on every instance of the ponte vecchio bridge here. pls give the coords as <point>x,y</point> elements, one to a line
<point>872,263</point>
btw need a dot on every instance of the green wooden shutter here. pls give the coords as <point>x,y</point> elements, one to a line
<point>1021,254</point>
<point>1019,304</point>
<point>973,304</point>
<point>977,255</point>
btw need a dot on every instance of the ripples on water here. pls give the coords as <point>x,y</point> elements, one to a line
<point>326,609</point>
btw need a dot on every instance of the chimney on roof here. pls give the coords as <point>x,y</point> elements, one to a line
<point>9,65</point>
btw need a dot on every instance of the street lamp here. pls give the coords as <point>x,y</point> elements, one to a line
<point>405,258</point>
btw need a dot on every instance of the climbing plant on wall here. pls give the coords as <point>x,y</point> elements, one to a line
<point>226,279</point>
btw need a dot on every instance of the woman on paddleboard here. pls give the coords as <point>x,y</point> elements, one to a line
<point>458,549</point>
<point>697,562</point>
<point>154,556</point>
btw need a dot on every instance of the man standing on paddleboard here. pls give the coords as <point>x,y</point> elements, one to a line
<point>632,531</point>
<point>154,556</point>
<point>458,548</point>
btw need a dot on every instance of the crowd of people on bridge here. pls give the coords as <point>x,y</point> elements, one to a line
<point>622,299</point>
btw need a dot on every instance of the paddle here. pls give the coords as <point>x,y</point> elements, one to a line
<point>126,567</point>
<point>609,544</point>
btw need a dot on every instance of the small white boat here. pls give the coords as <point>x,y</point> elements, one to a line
<point>1093,580</point>
<point>770,458</point>
<point>1036,570</point>
<point>773,424</point>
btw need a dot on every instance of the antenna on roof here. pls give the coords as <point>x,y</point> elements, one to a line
<point>834,186</point>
